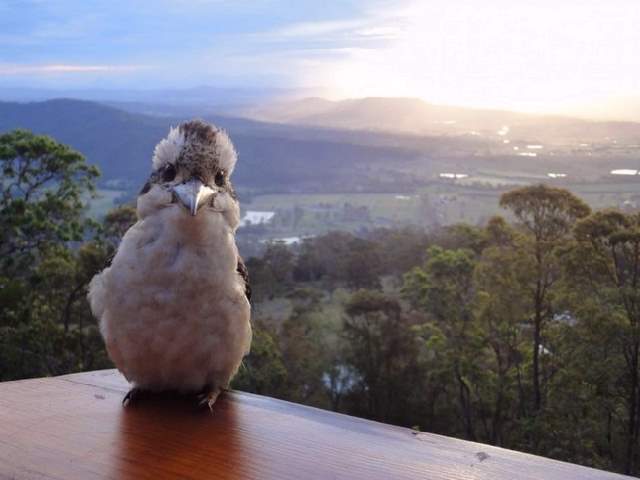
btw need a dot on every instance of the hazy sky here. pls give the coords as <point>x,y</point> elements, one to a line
<point>532,55</point>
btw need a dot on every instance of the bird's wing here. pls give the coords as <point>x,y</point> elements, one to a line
<point>97,295</point>
<point>244,273</point>
<point>145,188</point>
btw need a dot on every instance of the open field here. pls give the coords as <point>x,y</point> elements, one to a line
<point>396,208</point>
<point>455,203</point>
<point>441,202</point>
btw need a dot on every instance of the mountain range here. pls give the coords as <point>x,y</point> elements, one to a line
<point>317,145</point>
<point>414,116</point>
<point>272,157</point>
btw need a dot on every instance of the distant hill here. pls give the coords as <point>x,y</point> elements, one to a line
<point>414,116</point>
<point>287,157</point>
<point>272,158</point>
<point>120,143</point>
<point>199,95</point>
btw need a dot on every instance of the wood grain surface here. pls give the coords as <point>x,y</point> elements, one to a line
<point>75,427</point>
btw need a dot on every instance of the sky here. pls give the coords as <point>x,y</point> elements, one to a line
<point>534,55</point>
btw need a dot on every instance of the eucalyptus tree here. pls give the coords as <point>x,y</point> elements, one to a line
<point>43,191</point>
<point>546,215</point>
<point>605,261</point>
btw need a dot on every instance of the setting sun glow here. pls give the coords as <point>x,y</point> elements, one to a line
<point>541,56</point>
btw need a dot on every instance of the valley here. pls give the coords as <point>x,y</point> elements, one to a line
<point>312,166</point>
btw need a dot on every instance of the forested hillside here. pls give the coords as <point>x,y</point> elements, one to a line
<point>524,335</point>
<point>272,160</point>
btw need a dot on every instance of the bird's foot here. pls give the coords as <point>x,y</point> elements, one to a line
<point>209,397</point>
<point>131,396</point>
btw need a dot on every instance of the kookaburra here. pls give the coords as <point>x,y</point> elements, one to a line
<point>174,304</point>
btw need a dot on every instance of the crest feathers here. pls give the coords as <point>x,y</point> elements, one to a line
<point>168,149</point>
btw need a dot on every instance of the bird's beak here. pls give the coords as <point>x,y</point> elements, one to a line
<point>193,194</point>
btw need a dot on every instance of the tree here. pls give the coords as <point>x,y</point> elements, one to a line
<point>41,197</point>
<point>461,236</point>
<point>340,259</point>
<point>305,353</point>
<point>116,222</point>
<point>362,265</point>
<point>399,250</point>
<point>272,274</point>
<point>546,215</point>
<point>262,371</point>
<point>605,262</point>
<point>309,265</point>
<point>500,310</point>
<point>444,290</point>
<point>381,353</point>
<point>42,274</point>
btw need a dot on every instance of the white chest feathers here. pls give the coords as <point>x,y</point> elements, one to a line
<point>172,307</point>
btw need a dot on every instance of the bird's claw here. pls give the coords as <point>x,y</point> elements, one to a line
<point>131,396</point>
<point>209,398</point>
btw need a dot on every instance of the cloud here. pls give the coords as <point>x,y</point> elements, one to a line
<point>372,26</point>
<point>371,29</point>
<point>312,29</point>
<point>13,69</point>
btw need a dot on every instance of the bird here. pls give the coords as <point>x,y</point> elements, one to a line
<point>174,304</point>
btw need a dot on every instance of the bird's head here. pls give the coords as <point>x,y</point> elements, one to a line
<point>194,163</point>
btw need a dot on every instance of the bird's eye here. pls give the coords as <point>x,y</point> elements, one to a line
<point>169,173</point>
<point>219,178</point>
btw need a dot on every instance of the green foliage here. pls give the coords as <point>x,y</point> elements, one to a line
<point>500,311</point>
<point>40,196</point>
<point>117,222</point>
<point>518,335</point>
<point>45,324</point>
<point>547,213</point>
<point>382,356</point>
<point>274,270</point>
<point>262,371</point>
<point>602,270</point>
<point>443,286</point>
<point>307,348</point>
<point>340,259</point>
<point>546,216</point>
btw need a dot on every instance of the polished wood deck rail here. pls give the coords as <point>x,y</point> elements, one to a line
<point>74,427</point>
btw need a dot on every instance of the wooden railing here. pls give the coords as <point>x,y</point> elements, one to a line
<point>75,427</point>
